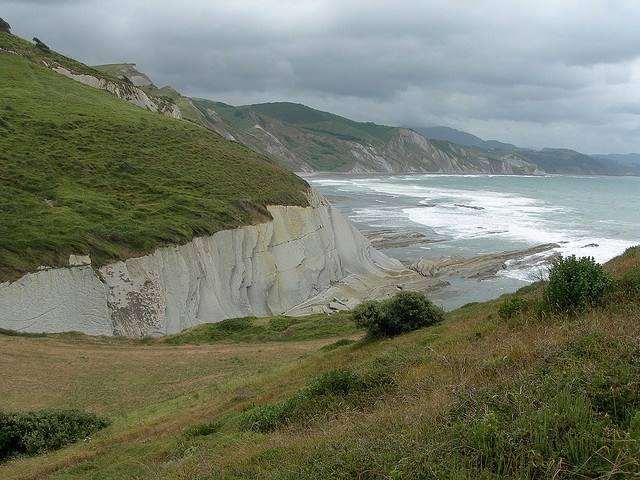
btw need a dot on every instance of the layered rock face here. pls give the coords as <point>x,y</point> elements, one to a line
<point>130,93</point>
<point>263,269</point>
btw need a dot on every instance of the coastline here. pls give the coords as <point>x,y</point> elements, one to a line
<point>438,217</point>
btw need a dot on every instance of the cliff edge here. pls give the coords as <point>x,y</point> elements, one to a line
<point>262,269</point>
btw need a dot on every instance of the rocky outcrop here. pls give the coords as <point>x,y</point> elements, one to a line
<point>263,269</point>
<point>388,238</point>
<point>126,91</point>
<point>4,26</point>
<point>484,266</point>
<point>130,72</point>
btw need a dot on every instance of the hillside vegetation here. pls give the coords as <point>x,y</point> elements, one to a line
<point>489,393</point>
<point>305,139</point>
<point>82,172</point>
<point>550,160</point>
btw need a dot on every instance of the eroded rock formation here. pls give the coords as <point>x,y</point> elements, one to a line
<point>263,269</point>
<point>123,90</point>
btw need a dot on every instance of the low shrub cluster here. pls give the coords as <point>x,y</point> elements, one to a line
<point>512,307</point>
<point>402,313</point>
<point>278,328</point>
<point>573,417</point>
<point>576,284</point>
<point>343,342</point>
<point>630,283</point>
<point>572,414</point>
<point>316,396</point>
<point>31,433</point>
<point>204,429</point>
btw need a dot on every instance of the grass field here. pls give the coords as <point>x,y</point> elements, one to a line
<point>83,172</point>
<point>473,397</point>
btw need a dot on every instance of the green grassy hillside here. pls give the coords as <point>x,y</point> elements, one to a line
<point>129,70</point>
<point>478,396</point>
<point>82,172</point>
<point>293,145</point>
<point>565,161</point>
<point>326,123</point>
<point>302,138</point>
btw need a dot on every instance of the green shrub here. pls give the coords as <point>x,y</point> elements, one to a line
<point>340,382</point>
<point>234,324</point>
<point>339,343</point>
<point>266,418</point>
<point>630,283</point>
<point>576,284</point>
<point>35,432</point>
<point>634,427</point>
<point>511,307</point>
<point>280,324</point>
<point>204,429</point>
<point>368,315</point>
<point>578,408</point>
<point>402,313</point>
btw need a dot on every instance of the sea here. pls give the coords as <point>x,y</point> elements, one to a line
<point>470,215</point>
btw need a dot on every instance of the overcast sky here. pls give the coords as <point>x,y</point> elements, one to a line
<point>535,73</point>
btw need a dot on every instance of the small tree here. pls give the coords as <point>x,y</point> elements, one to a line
<point>576,284</point>
<point>402,313</point>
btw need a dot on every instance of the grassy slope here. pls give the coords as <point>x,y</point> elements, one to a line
<point>84,172</point>
<point>467,394</point>
<point>27,50</point>
<point>326,123</point>
<point>325,141</point>
<point>559,160</point>
<point>324,151</point>
<point>318,138</point>
<point>189,112</point>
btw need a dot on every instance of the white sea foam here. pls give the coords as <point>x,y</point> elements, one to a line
<point>514,220</point>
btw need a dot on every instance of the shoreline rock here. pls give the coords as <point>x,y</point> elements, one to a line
<point>388,238</point>
<point>481,266</point>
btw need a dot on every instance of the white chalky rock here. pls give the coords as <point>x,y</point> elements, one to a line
<point>262,269</point>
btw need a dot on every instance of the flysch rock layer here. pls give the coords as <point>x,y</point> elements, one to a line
<point>264,269</point>
<point>130,93</point>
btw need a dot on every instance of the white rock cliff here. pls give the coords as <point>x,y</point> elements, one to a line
<point>263,269</point>
<point>130,93</point>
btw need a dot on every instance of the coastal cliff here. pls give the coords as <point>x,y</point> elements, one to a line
<point>123,90</point>
<point>307,140</point>
<point>262,269</point>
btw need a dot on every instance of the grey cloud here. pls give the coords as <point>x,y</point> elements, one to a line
<point>535,73</point>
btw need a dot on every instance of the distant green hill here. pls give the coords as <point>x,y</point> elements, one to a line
<point>83,172</point>
<point>462,138</point>
<point>304,139</point>
<point>563,160</point>
<point>316,121</point>
<point>550,160</point>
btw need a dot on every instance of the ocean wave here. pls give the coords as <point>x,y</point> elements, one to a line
<point>469,211</point>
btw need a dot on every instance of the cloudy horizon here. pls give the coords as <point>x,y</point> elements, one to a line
<point>537,74</point>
